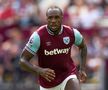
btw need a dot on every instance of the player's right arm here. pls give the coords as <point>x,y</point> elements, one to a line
<point>28,52</point>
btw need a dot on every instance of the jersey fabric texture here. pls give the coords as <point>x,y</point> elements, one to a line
<point>54,52</point>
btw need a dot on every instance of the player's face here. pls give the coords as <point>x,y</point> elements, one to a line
<point>54,19</point>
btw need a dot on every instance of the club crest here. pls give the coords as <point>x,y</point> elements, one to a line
<point>66,40</point>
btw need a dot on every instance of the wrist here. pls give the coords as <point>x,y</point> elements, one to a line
<point>37,69</point>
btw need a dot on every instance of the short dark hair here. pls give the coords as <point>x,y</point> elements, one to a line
<point>54,7</point>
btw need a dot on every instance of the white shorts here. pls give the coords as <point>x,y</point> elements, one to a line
<point>62,85</point>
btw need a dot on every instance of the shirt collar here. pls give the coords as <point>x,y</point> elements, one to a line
<point>51,33</point>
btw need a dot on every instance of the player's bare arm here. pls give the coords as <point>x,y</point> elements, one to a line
<point>26,56</point>
<point>83,52</point>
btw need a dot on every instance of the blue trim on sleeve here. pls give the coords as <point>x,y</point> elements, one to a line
<point>78,37</point>
<point>33,43</point>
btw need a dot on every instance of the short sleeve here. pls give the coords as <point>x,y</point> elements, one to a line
<point>33,44</point>
<point>78,37</point>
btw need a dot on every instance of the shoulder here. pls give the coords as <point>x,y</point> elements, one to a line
<point>67,27</point>
<point>41,28</point>
<point>76,31</point>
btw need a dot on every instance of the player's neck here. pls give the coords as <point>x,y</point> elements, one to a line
<point>57,32</point>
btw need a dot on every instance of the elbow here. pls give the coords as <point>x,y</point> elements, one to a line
<point>22,63</point>
<point>85,48</point>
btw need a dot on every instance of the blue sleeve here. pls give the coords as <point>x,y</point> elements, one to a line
<point>78,37</point>
<point>33,44</point>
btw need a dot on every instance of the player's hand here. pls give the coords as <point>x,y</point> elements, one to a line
<point>82,76</point>
<point>47,73</point>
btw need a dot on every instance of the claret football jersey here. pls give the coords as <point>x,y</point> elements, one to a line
<point>54,52</point>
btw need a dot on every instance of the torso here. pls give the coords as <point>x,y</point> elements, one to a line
<point>54,53</point>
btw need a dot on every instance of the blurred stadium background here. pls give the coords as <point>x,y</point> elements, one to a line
<point>19,18</point>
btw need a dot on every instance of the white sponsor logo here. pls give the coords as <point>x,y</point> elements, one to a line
<point>57,51</point>
<point>66,40</point>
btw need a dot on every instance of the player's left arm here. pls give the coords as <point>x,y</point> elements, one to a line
<point>83,54</point>
<point>80,43</point>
